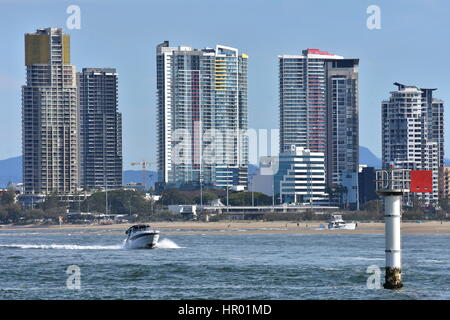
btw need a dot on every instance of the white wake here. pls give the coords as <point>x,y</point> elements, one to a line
<point>162,244</point>
<point>61,246</point>
<point>167,244</point>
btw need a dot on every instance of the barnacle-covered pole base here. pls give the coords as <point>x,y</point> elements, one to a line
<point>393,278</point>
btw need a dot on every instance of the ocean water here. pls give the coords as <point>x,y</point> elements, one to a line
<point>217,266</point>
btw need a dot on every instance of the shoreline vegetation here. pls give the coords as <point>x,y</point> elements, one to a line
<point>247,227</point>
<point>127,207</point>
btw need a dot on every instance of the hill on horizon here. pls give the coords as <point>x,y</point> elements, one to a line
<point>369,158</point>
<point>11,169</point>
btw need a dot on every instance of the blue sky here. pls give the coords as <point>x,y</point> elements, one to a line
<point>411,47</point>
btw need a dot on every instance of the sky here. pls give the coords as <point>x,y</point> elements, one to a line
<point>412,47</point>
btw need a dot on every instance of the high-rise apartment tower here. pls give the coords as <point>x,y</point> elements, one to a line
<point>201,116</point>
<point>319,109</point>
<point>413,133</point>
<point>49,115</point>
<point>100,129</point>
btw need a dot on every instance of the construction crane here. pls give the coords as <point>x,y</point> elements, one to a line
<point>143,165</point>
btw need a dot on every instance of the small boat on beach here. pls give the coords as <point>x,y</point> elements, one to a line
<point>141,236</point>
<point>336,222</point>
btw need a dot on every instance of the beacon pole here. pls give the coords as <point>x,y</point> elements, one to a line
<point>392,217</point>
<point>391,185</point>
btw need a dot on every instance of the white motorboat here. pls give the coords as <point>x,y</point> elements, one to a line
<point>141,236</point>
<point>336,222</point>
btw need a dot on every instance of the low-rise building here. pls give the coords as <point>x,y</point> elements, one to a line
<point>262,180</point>
<point>301,177</point>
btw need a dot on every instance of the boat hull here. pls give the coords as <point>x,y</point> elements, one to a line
<point>347,226</point>
<point>143,240</point>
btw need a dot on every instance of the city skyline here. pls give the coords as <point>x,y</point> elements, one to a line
<point>72,128</point>
<point>138,102</point>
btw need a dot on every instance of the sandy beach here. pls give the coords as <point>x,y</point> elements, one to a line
<point>249,227</point>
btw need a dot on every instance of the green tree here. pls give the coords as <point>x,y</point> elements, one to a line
<point>119,202</point>
<point>444,203</point>
<point>174,196</point>
<point>374,206</point>
<point>415,212</point>
<point>52,203</point>
<point>3,215</point>
<point>34,214</point>
<point>10,213</point>
<point>244,198</point>
<point>7,198</point>
<point>262,199</point>
<point>208,196</point>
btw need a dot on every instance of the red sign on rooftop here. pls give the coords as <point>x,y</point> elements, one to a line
<point>421,181</point>
<point>317,51</point>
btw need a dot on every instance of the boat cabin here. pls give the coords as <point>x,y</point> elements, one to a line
<point>137,227</point>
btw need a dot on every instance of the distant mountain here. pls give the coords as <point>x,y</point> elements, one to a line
<point>10,170</point>
<point>367,157</point>
<point>136,176</point>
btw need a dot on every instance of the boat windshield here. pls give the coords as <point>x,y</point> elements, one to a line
<point>136,228</point>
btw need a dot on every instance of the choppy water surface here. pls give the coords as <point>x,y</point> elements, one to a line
<point>216,266</point>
